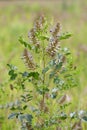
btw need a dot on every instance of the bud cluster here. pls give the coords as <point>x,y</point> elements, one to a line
<point>53,41</point>
<point>28,59</point>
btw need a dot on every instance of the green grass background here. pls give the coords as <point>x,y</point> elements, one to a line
<point>16,19</point>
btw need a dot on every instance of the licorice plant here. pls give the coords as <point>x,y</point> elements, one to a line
<point>45,84</point>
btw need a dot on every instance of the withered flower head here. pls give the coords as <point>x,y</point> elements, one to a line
<point>28,59</point>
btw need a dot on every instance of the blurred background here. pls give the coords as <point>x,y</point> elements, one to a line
<point>16,18</point>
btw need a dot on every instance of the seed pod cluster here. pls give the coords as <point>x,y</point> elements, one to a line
<point>56,30</point>
<point>53,41</point>
<point>33,38</point>
<point>38,25</point>
<point>28,59</point>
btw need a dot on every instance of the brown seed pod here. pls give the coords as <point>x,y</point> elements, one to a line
<point>62,99</point>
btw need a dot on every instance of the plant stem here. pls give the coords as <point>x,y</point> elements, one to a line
<point>43,74</point>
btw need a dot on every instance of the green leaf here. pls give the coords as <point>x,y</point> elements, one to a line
<point>25,74</point>
<point>26,117</point>
<point>65,36</point>
<point>13,77</point>
<point>56,80</point>
<point>21,117</point>
<point>63,116</point>
<point>53,95</point>
<point>44,38</point>
<point>67,75</point>
<point>83,115</point>
<point>52,63</point>
<point>84,118</point>
<point>66,51</point>
<point>11,72</point>
<point>58,66</point>
<point>12,115</point>
<point>12,67</point>
<point>17,103</point>
<point>51,75</point>
<point>45,70</point>
<point>34,75</point>
<point>42,89</point>
<point>65,105</point>
<point>24,107</point>
<point>21,40</point>
<point>29,117</point>
<point>11,104</point>
<point>73,115</point>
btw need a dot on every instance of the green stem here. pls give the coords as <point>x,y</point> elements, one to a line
<point>43,74</point>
